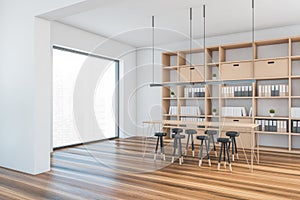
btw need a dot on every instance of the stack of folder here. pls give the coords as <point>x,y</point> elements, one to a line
<point>295,112</point>
<point>273,90</point>
<point>173,110</point>
<point>237,91</point>
<point>190,110</point>
<point>295,126</point>
<point>272,125</point>
<point>192,119</point>
<point>194,92</point>
<point>233,111</point>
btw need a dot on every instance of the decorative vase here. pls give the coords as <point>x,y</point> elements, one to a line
<point>173,96</point>
<point>272,114</point>
<point>214,78</point>
<point>214,113</point>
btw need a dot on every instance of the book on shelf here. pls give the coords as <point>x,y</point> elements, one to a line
<point>273,90</point>
<point>190,92</point>
<point>250,112</point>
<point>274,125</point>
<point>295,112</point>
<point>190,110</point>
<point>233,111</point>
<point>237,91</point>
<point>173,110</point>
<point>193,119</point>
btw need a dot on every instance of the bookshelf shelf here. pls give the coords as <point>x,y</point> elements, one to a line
<point>213,64</point>
<point>274,97</point>
<point>237,98</point>
<point>272,78</point>
<point>274,58</point>
<point>170,68</point>
<point>212,116</point>
<point>196,116</point>
<point>237,117</point>
<point>191,98</point>
<point>269,117</point>
<point>276,62</point>
<point>268,132</point>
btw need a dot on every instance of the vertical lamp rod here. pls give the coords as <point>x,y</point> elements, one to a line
<point>204,40</point>
<point>153,49</point>
<point>191,35</point>
<point>253,37</point>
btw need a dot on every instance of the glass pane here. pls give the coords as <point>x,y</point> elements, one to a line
<point>84,101</point>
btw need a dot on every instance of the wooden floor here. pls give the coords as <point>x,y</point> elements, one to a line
<point>116,170</point>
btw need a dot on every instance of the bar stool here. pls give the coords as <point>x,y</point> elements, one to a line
<point>233,135</point>
<point>211,134</point>
<point>225,142</point>
<point>177,144</point>
<point>190,134</point>
<point>160,136</point>
<point>203,138</point>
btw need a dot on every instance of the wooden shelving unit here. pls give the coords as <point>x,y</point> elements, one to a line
<point>276,61</point>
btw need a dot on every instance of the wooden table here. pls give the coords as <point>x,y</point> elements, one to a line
<point>220,126</point>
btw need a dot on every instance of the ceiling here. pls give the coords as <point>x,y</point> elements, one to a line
<point>129,21</point>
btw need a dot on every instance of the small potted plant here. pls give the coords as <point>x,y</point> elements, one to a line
<point>214,76</point>
<point>272,112</point>
<point>214,111</point>
<point>172,93</point>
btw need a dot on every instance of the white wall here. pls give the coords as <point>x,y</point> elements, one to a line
<point>24,116</point>
<point>149,99</point>
<point>74,38</point>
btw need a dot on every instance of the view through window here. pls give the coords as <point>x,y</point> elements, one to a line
<point>85,97</point>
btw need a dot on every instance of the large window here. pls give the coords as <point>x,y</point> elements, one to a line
<point>85,97</point>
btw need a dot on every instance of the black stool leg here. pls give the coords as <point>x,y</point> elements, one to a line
<point>193,146</point>
<point>227,149</point>
<point>233,145</point>
<point>162,149</point>
<point>224,159</point>
<point>215,149</point>
<point>220,156</point>
<point>174,149</point>
<point>207,152</point>
<point>156,148</point>
<point>201,153</point>
<point>180,152</point>
<point>187,144</point>
<point>236,150</point>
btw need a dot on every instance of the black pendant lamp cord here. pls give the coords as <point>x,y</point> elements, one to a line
<point>191,37</point>
<point>204,40</point>
<point>153,59</point>
<point>253,37</point>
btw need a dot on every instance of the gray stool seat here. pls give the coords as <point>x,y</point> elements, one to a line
<point>232,134</point>
<point>211,138</point>
<point>160,134</point>
<point>191,131</point>
<point>190,135</point>
<point>211,132</point>
<point>202,137</point>
<point>178,136</point>
<point>223,140</point>
<point>177,130</point>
